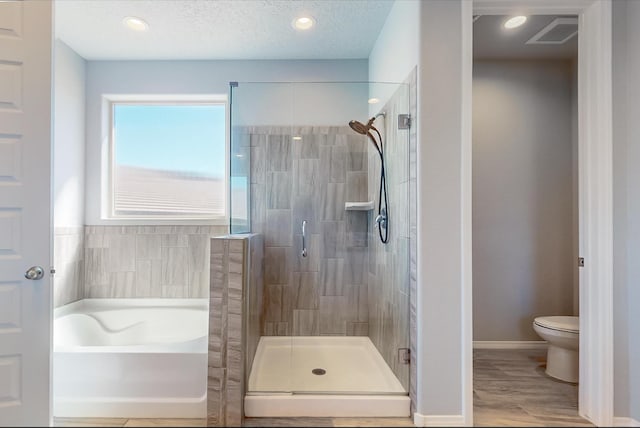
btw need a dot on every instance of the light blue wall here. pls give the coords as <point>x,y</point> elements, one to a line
<point>69,136</point>
<point>395,52</point>
<point>211,77</point>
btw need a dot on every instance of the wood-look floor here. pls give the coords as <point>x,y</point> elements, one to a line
<point>249,422</point>
<point>510,389</point>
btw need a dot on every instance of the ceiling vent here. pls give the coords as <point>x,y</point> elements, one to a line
<point>556,33</point>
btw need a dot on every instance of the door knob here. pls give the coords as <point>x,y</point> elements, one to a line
<point>34,273</point>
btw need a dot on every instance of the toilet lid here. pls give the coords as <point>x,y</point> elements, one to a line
<point>569,324</point>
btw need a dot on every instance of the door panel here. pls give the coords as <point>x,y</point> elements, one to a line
<point>25,211</point>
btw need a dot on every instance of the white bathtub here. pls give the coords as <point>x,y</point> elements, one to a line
<point>136,358</point>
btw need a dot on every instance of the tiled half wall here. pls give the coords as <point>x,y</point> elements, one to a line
<point>132,261</point>
<point>234,323</point>
<point>148,261</point>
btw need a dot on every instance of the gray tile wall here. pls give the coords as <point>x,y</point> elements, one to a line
<point>147,261</point>
<point>68,260</point>
<point>311,179</point>
<point>389,264</point>
<point>232,292</point>
<point>253,299</point>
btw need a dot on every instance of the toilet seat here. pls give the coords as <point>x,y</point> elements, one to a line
<point>559,323</point>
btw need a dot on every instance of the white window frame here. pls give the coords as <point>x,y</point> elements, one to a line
<point>108,159</point>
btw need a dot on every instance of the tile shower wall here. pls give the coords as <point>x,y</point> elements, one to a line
<point>232,292</point>
<point>388,264</point>
<point>68,259</point>
<point>253,299</point>
<point>147,261</point>
<point>310,179</point>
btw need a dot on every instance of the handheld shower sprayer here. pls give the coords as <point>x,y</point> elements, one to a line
<point>382,219</point>
<point>363,129</point>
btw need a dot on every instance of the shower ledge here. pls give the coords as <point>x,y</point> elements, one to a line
<point>358,206</point>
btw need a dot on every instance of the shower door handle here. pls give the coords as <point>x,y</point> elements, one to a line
<point>304,240</point>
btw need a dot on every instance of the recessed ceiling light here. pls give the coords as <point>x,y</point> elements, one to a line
<point>514,22</point>
<point>297,138</point>
<point>303,23</point>
<point>136,24</point>
<point>373,101</point>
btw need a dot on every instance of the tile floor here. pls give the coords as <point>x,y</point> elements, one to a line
<point>510,389</point>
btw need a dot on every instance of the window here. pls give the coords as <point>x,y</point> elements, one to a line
<point>168,160</point>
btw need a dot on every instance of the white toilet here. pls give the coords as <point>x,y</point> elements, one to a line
<point>562,335</point>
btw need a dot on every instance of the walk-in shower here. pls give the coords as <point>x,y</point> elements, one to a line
<point>334,304</point>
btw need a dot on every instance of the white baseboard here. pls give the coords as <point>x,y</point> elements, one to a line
<point>420,420</point>
<point>509,344</point>
<point>625,422</point>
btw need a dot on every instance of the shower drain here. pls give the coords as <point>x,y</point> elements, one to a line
<point>318,372</point>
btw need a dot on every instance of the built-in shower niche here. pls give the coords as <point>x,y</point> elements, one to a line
<point>331,320</point>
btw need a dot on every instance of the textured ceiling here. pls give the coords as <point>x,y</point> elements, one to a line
<point>221,29</point>
<point>492,40</point>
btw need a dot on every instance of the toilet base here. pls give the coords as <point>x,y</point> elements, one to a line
<point>562,363</point>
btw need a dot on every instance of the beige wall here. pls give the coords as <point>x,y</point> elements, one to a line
<point>523,211</point>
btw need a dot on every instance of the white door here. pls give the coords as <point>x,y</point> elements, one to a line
<point>25,211</point>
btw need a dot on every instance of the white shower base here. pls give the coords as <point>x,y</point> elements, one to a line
<point>357,381</point>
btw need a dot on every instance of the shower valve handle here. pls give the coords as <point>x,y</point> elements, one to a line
<point>304,236</point>
<point>381,219</point>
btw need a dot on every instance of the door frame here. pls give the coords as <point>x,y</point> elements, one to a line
<point>595,194</point>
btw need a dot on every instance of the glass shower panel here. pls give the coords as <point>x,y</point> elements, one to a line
<point>239,173</point>
<point>389,263</point>
<point>335,300</point>
<point>261,114</point>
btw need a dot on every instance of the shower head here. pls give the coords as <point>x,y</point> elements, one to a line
<point>361,128</point>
